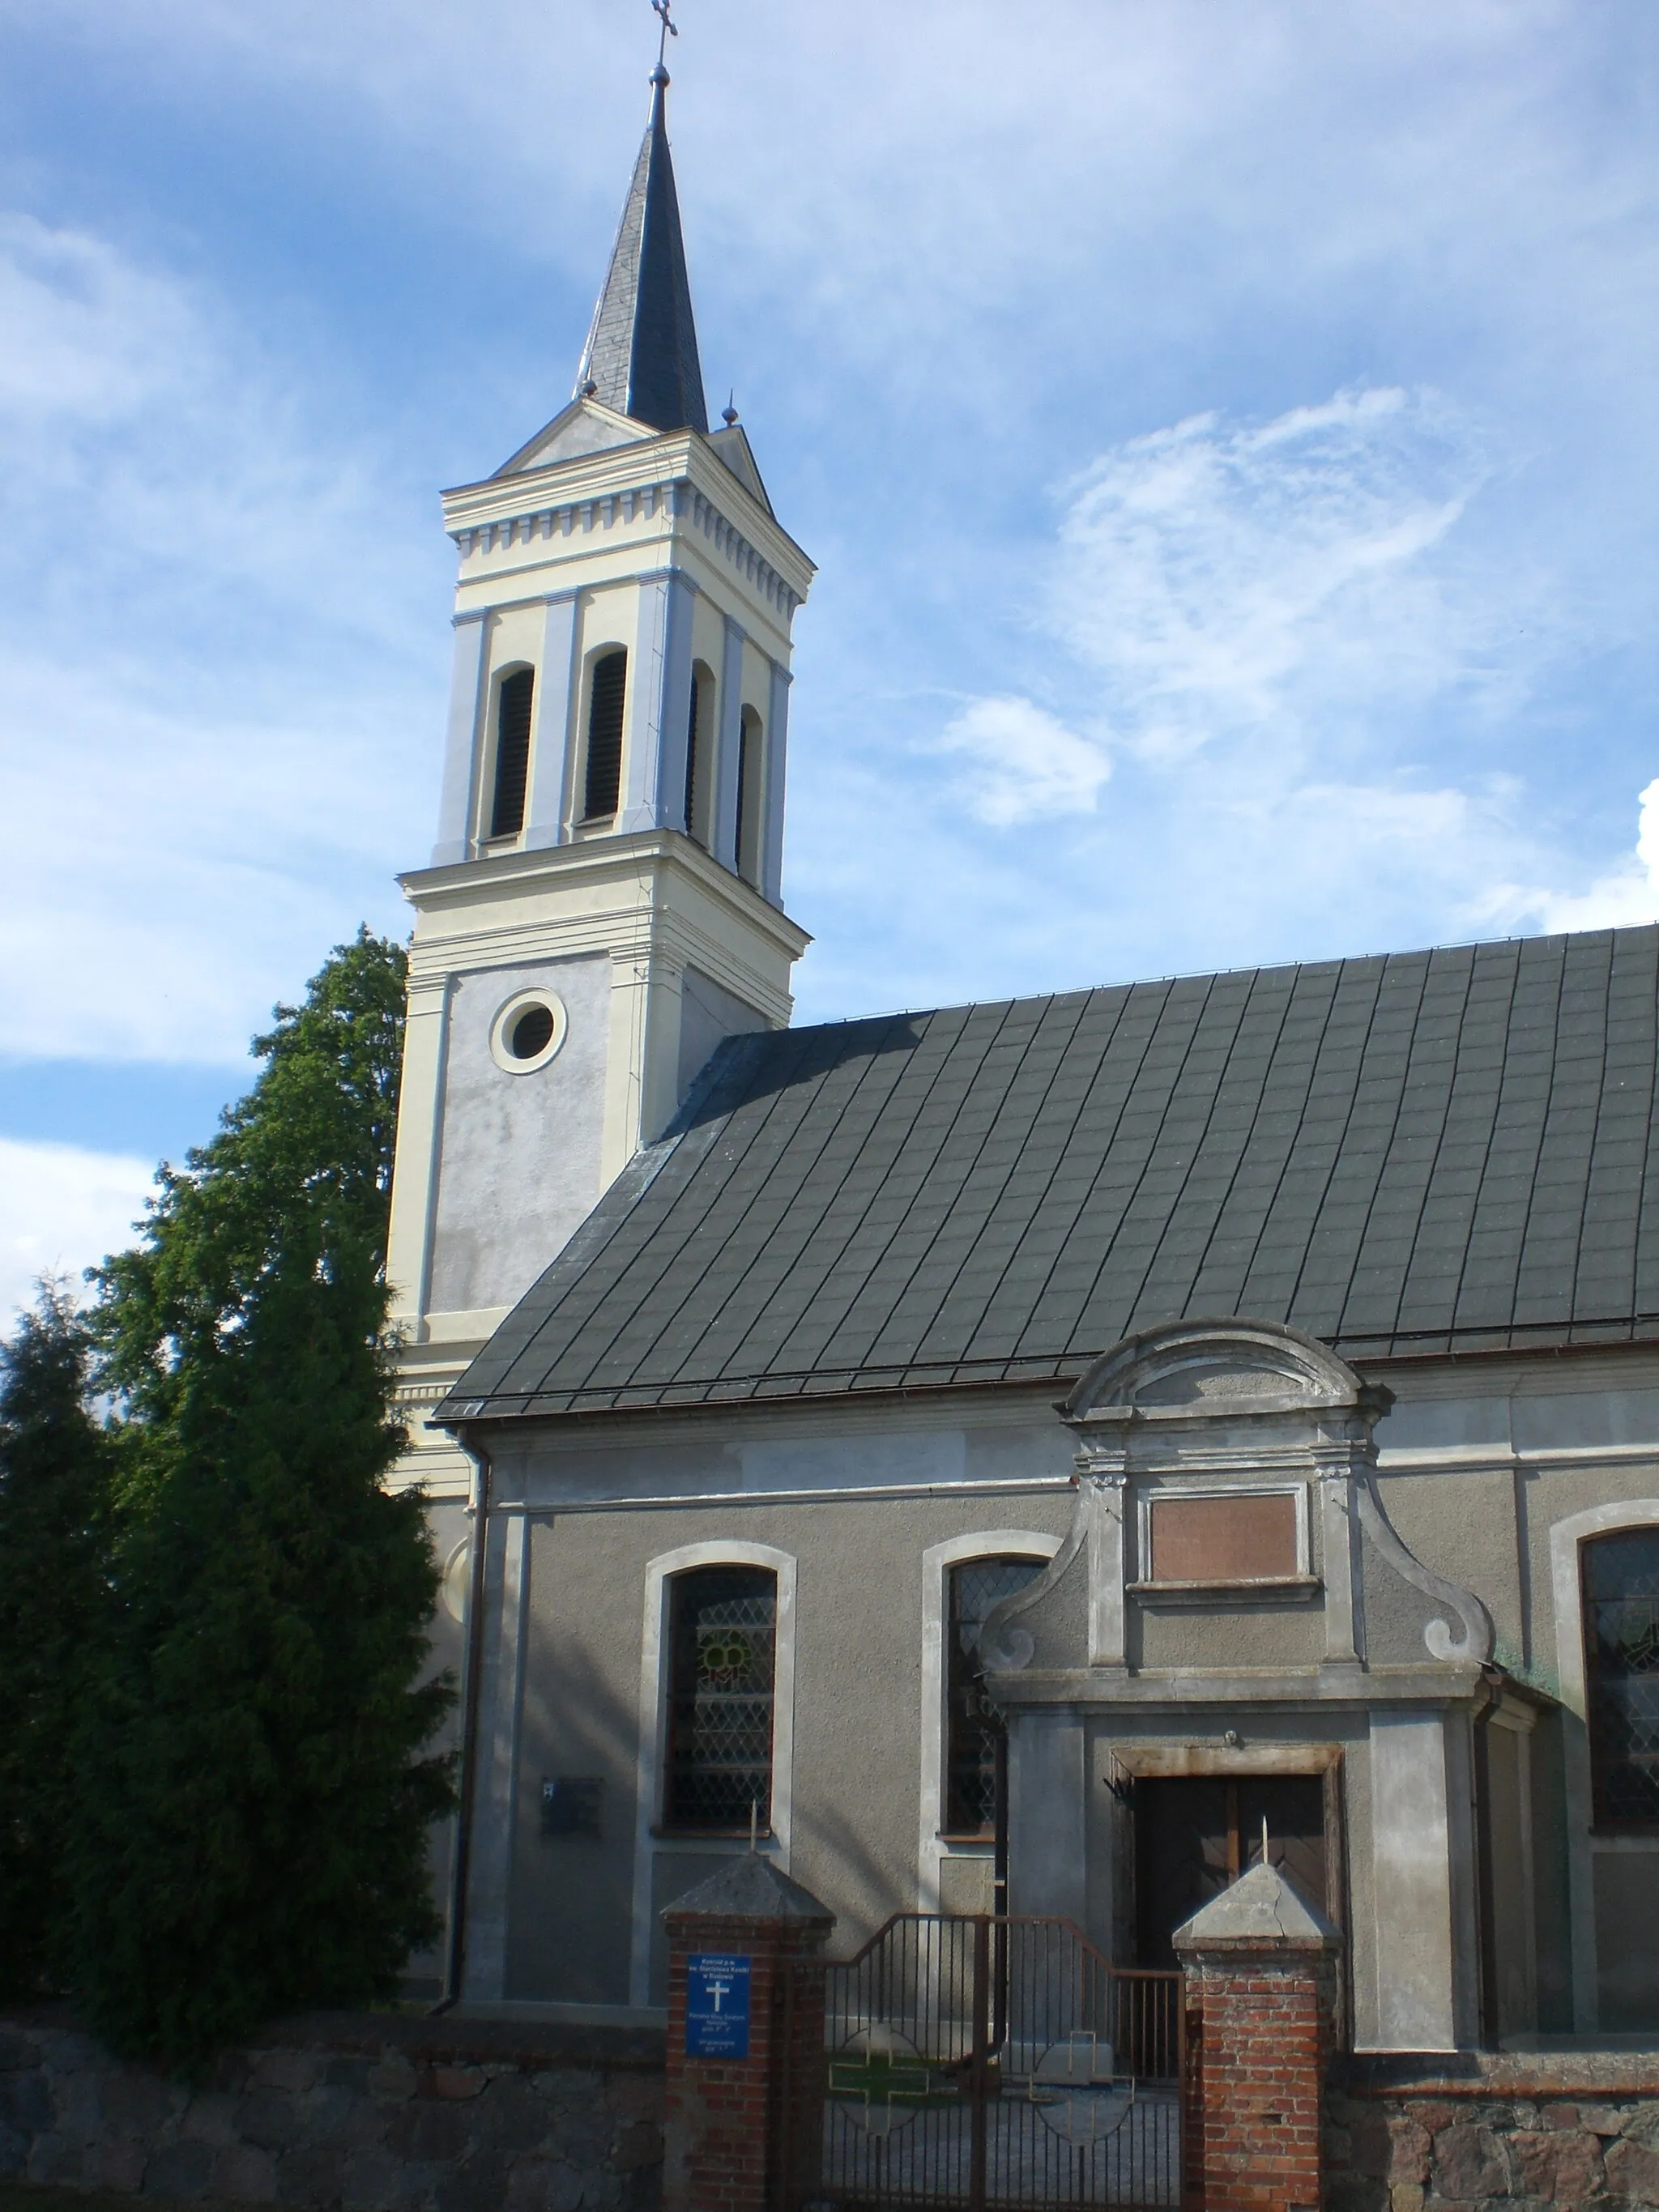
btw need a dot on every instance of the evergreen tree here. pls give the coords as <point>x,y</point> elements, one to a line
<point>54,1470</point>
<point>254,1791</point>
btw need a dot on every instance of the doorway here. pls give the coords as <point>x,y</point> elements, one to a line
<point>1195,1834</point>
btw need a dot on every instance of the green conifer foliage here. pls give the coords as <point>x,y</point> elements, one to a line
<point>54,1472</point>
<point>254,1781</point>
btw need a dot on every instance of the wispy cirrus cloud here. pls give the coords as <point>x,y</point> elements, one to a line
<point>1274,592</point>
<point>1223,577</point>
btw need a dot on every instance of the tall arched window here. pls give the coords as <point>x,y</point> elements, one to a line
<point>513,704</point>
<point>1621,1654</point>
<point>974,1735</point>
<point>749,795</point>
<point>722,1648</point>
<point>606,699</point>
<point>699,730</point>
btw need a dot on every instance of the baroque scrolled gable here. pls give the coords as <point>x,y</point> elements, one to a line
<point>1229,1466</point>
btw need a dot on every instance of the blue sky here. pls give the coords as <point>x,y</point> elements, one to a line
<point>1225,428</point>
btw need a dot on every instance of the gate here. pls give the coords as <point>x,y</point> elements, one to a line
<point>988,2064</point>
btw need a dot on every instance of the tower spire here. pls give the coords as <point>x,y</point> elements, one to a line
<point>641,352</point>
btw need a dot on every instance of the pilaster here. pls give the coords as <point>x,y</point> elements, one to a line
<point>723,825</point>
<point>415,1174</point>
<point>548,802</point>
<point>644,1054</point>
<point>459,798</point>
<point>777,750</point>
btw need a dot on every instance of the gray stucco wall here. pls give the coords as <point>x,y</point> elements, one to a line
<point>857,1723</point>
<point>497,1224</point>
<point>1471,1499</point>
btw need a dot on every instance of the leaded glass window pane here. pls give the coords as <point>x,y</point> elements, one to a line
<point>1621,1636</point>
<point>974,1730</point>
<point>722,1638</point>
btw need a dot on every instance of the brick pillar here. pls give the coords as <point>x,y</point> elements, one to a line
<point>1260,1963</point>
<point>744,2124</point>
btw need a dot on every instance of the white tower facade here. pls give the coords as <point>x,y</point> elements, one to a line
<point>604,902</point>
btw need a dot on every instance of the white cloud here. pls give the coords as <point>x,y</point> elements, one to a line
<point>1627,896</point>
<point>215,858</point>
<point>62,1209</point>
<point>1224,578</point>
<point>211,703</point>
<point>90,336</point>
<point>1024,764</point>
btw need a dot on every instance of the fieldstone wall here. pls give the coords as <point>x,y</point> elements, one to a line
<point>366,2112</point>
<point>1506,2132</point>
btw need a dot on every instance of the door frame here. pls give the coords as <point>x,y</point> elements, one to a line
<point>1128,1763</point>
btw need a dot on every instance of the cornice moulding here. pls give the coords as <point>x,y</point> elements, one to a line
<point>623,863</point>
<point>673,479</point>
<point>485,953</point>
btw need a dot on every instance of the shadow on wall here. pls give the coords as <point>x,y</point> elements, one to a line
<point>573,1872</point>
<point>837,1864</point>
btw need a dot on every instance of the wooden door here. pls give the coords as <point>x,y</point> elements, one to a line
<point>1194,1835</point>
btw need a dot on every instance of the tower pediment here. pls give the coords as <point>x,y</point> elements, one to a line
<point>585,426</point>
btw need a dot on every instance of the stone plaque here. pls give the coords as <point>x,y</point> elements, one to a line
<point>1242,1539</point>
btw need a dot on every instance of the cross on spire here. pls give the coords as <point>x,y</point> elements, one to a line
<point>670,29</point>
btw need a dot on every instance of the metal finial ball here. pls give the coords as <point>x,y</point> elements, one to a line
<point>589,390</point>
<point>728,415</point>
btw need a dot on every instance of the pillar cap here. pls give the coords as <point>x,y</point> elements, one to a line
<point>1263,1909</point>
<point>749,1888</point>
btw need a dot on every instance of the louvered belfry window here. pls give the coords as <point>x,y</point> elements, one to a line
<point>1621,1647</point>
<point>604,735</point>
<point>974,1731</point>
<point>722,1646</point>
<point>747,856</point>
<point>512,706</point>
<point>691,762</point>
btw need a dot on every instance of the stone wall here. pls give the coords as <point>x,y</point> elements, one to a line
<point>370,2112</point>
<point>1508,2132</point>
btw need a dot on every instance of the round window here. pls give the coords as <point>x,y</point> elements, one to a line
<point>532,1033</point>
<point>527,1031</point>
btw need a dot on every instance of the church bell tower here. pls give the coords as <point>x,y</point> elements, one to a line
<point>604,900</point>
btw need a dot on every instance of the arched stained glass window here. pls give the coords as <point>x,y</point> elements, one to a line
<point>974,1732</point>
<point>606,699</point>
<point>512,706</point>
<point>722,1646</point>
<point>1621,1651</point>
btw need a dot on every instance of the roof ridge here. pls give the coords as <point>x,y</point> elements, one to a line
<point>1214,975</point>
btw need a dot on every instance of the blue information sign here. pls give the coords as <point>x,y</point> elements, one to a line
<point>716,2007</point>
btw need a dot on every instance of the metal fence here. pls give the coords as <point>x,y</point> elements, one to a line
<point>995,2064</point>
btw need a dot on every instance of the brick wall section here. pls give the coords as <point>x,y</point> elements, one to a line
<point>370,2111</point>
<point>745,2135</point>
<point>1499,2132</point>
<point>1258,2029</point>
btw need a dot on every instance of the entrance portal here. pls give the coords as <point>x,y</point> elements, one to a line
<point>1194,1835</point>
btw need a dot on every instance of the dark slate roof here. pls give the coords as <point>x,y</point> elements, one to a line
<point>1421,1153</point>
<point>641,352</point>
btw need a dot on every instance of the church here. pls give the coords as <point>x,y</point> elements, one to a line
<point>1012,1457</point>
